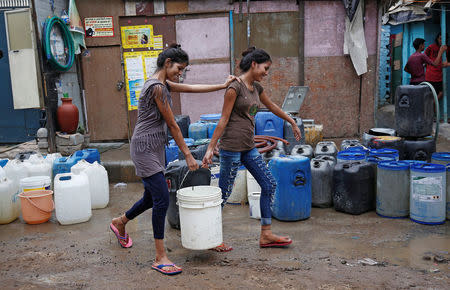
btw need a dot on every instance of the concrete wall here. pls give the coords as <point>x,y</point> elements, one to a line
<point>335,89</point>
<point>206,40</point>
<point>68,80</point>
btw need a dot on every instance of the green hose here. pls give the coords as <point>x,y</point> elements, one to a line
<point>438,115</point>
<point>68,43</point>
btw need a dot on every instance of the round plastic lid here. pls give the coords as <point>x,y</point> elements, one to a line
<point>441,156</point>
<point>411,162</point>
<point>351,155</point>
<point>376,159</point>
<point>210,117</point>
<point>199,193</point>
<point>384,151</point>
<point>393,165</point>
<point>428,168</point>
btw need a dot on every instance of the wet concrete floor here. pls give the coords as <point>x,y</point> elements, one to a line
<point>325,253</point>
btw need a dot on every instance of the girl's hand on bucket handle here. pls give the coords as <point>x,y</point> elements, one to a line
<point>191,163</point>
<point>208,158</point>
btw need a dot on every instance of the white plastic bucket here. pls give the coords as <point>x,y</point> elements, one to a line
<point>252,184</point>
<point>35,183</point>
<point>200,217</point>
<point>254,204</point>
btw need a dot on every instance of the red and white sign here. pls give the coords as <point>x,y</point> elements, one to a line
<point>99,26</point>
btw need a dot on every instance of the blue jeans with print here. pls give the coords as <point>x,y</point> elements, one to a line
<point>230,162</point>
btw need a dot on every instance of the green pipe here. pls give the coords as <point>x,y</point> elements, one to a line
<point>436,103</point>
<point>68,42</point>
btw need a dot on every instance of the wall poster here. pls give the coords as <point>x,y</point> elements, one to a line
<point>99,26</point>
<point>137,36</point>
<point>139,66</point>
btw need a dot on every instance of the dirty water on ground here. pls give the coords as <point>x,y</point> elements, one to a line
<point>325,253</point>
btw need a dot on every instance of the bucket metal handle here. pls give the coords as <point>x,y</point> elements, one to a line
<point>36,206</point>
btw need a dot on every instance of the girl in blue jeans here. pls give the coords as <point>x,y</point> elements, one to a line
<point>236,132</point>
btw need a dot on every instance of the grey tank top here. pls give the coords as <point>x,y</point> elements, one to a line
<point>150,133</point>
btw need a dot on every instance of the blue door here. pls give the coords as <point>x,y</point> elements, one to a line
<point>15,125</point>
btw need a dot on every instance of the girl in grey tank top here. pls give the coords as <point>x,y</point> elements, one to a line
<point>147,149</point>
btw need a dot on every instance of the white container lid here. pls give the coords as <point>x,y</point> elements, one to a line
<point>35,181</point>
<point>200,193</point>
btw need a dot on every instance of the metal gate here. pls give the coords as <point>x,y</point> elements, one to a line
<point>15,125</point>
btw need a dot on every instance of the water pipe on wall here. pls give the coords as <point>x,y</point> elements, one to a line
<point>231,43</point>
<point>436,103</point>
<point>444,71</point>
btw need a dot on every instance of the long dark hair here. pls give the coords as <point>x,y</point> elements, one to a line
<point>175,53</point>
<point>257,55</point>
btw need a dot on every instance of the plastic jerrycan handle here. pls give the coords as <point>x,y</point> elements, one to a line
<point>325,148</point>
<point>420,155</point>
<point>299,179</point>
<point>404,102</point>
<point>65,177</point>
<point>316,164</point>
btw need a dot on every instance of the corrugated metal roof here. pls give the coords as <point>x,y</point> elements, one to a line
<point>14,3</point>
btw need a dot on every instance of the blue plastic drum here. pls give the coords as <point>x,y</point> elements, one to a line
<point>428,193</point>
<point>292,199</point>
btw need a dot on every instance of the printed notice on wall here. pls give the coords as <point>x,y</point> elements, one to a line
<point>135,78</point>
<point>99,26</point>
<point>137,36</point>
<point>139,66</point>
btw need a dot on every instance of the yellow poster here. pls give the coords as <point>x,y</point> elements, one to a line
<point>137,36</point>
<point>139,66</point>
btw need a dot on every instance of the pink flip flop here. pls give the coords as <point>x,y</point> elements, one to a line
<point>121,240</point>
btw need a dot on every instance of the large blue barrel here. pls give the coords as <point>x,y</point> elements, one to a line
<point>448,191</point>
<point>211,128</point>
<point>211,120</point>
<point>428,196</point>
<point>440,158</point>
<point>198,130</point>
<point>267,123</point>
<point>393,189</point>
<point>292,200</point>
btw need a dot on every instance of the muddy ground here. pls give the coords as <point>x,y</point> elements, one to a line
<point>324,255</point>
